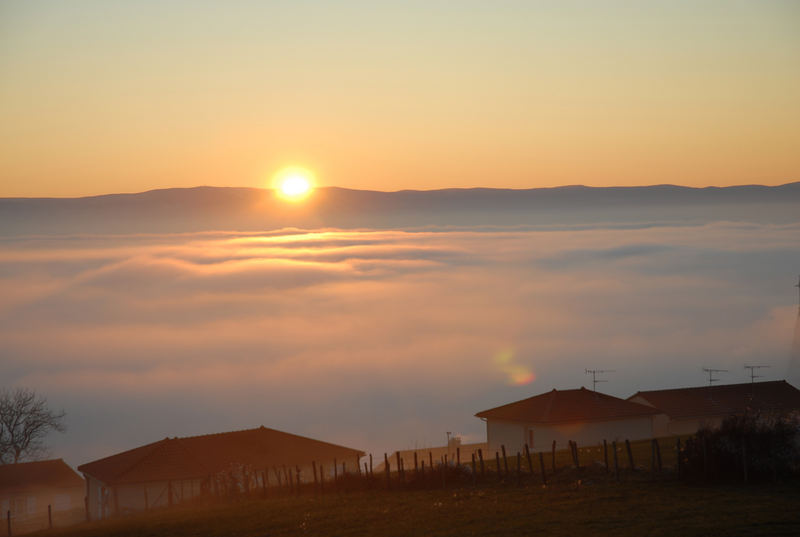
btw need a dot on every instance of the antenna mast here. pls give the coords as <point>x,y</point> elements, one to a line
<point>711,372</point>
<point>753,369</point>
<point>596,372</point>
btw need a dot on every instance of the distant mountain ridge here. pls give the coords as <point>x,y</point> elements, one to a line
<point>230,208</point>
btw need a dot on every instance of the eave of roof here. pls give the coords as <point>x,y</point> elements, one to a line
<point>568,406</point>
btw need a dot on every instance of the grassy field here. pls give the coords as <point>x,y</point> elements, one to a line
<point>574,503</point>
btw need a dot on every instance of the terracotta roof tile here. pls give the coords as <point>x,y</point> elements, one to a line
<point>770,397</point>
<point>200,456</point>
<point>54,473</point>
<point>563,406</point>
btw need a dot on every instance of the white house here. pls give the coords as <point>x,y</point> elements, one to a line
<point>581,415</point>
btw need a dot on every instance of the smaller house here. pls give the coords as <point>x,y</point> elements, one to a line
<point>28,488</point>
<point>438,455</point>
<point>581,415</point>
<point>689,409</point>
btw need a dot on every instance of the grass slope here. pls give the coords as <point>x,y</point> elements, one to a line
<point>633,507</point>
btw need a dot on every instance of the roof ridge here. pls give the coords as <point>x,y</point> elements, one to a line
<point>716,386</point>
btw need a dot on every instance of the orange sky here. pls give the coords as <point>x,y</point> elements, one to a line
<point>99,97</point>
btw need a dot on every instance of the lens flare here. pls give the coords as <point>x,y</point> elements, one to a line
<point>516,374</point>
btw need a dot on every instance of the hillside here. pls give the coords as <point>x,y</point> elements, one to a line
<point>212,208</point>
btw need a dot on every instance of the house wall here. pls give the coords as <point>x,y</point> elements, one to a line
<point>514,435</point>
<point>28,508</point>
<point>110,500</point>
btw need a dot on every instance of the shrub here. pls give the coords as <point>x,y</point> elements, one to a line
<point>769,446</point>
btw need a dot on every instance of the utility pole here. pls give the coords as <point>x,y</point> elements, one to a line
<point>798,296</point>
<point>596,372</point>
<point>711,374</point>
<point>753,369</point>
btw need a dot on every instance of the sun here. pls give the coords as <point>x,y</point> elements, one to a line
<point>293,183</point>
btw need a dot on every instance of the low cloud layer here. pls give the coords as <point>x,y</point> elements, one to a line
<point>378,339</point>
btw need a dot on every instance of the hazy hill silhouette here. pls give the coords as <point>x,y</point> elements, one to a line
<point>213,208</point>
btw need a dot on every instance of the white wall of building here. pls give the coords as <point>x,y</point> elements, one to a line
<point>514,435</point>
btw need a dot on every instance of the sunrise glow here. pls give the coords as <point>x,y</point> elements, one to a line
<point>294,184</point>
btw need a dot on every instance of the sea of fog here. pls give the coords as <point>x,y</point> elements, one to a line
<point>378,340</point>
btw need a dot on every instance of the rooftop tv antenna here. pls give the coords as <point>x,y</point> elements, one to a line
<point>711,372</point>
<point>596,372</point>
<point>753,369</point>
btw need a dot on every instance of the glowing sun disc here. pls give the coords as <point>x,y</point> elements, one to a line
<point>294,184</point>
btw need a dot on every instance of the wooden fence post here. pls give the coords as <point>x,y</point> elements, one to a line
<point>480,456</point>
<point>605,453</point>
<point>653,456</point>
<point>474,471</point>
<point>416,464</point>
<point>519,468</point>
<point>554,456</point>
<point>499,472</point>
<point>705,458</point>
<point>505,459</point>
<point>744,459</point>
<point>541,464</point>
<point>630,454</point>
<point>430,457</point>
<point>297,478</point>
<point>658,453</point>
<point>388,471</point>
<point>370,464</point>
<point>399,466</point>
<point>314,468</point>
<point>616,462</point>
<point>528,457</point>
<point>458,456</point>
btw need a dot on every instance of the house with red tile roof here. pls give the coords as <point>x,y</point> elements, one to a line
<point>581,415</point>
<point>689,409</point>
<point>28,488</point>
<point>175,470</point>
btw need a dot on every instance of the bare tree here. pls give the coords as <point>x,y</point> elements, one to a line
<point>25,420</point>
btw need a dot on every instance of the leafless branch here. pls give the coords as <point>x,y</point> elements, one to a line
<point>25,421</point>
